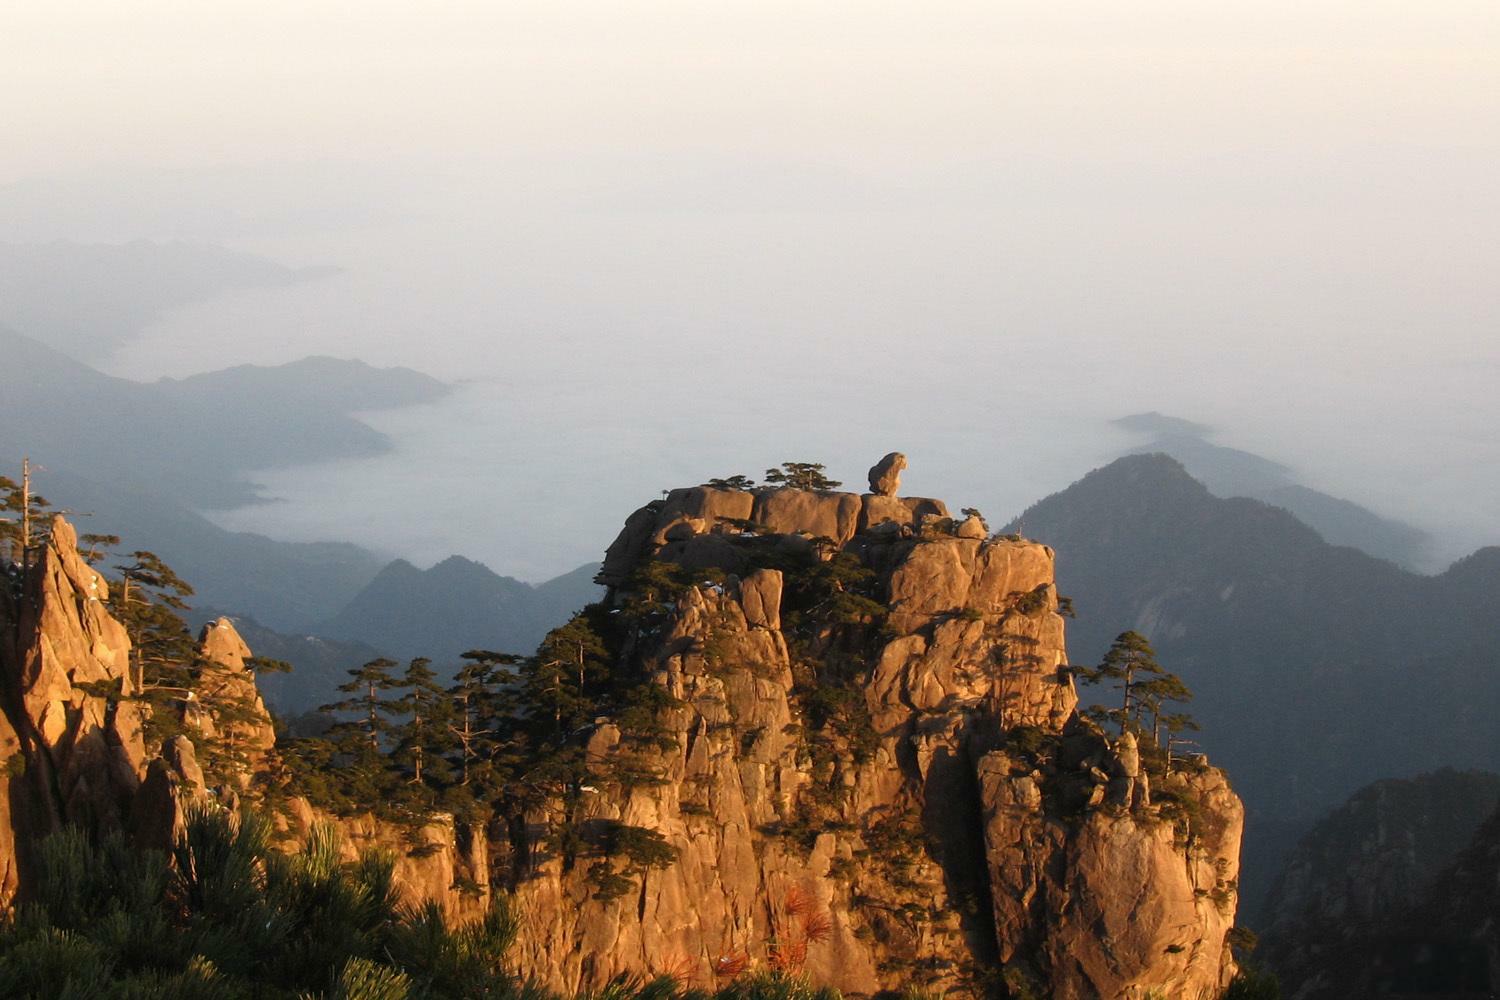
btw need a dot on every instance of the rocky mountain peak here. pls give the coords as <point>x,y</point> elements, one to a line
<point>958,727</point>
<point>862,760</point>
<point>220,644</point>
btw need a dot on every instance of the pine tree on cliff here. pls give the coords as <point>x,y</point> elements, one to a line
<point>146,602</point>
<point>24,524</point>
<point>561,681</point>
<point>357,741</point>
<point>366,687</point>
<point>1176,724</point>
<point>740,483</point>
<point>98,546</point>
<point>801,476</point>
<point>425,738</point>
<point>1130,663</point>
<point>1154,694</point>
<point>480,697</point>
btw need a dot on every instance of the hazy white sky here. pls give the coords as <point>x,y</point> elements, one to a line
<point>878,88</point>
<point>970,228</point>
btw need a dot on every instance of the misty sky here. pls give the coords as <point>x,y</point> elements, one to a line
<point>668,241</point>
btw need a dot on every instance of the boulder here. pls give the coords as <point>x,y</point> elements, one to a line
<point>792,511</point>
<point>710,504</point>
<point>885,475</point>
<point>220,643</point>
<point>971,527</point>
<point>760,596</point>
<point>877,509</point>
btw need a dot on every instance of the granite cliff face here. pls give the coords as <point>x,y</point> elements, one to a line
<point>941,817</point>
<point>69,755</point>
<point>986,832</point>
<point>73,739</point>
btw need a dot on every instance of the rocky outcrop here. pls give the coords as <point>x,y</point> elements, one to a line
<point>866,765</point>
<point>173,781</point>
<point>436,860</point>
<point>73,741</point>
<point>885,475</point>
<point>226,678</point>
<point>81,751</point>
<point>693,526</point>
<point>939,848</point>
<point>1109,897</point>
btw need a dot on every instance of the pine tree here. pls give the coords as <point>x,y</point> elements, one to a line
<point>366,687</point>
<point>802,476</point>
<point>98,546</point>
<point>359,739</point>
<point>1129,661</point>
<point>146,602</point>
<point>741,483</point>
<point>477,701</point>
<point>24,524</point>
<point>1177,723</point>
<point>423,740</point>
<point>1154,694</point>
<point>225,915</point>
<point>561,681</point>
<point>1147,689</point>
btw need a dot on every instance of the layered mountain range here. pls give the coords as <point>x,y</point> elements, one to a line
<point>1233,472</point>
<point>140,460</point>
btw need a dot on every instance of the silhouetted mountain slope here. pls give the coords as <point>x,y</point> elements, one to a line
<point>1456,932</point>
<point>1317,668</point>
<point>1363,871</point>
<point>1230,472</point>
<point>193,439</point>
<point>458,605</point>
<point>85,299</point>
<point>329,383</point>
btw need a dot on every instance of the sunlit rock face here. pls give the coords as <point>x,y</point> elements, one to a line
<point>73,755</point>
<point>73,746</point>
<point>942,855</point>
<point>966,827</point>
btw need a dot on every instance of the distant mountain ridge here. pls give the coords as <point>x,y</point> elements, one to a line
<point>138,458</point>
<point>1230,472</point>
<point>458,605</point>
<point>193,439</point>
<point>1317,668</point>
<point>143,458</point>
<point>288,586</point>
<point>86,299</point>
